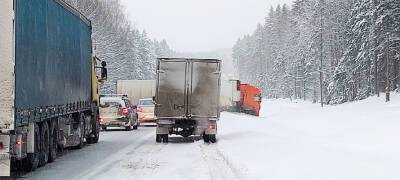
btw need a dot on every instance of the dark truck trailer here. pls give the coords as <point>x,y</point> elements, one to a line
<point>48,95</point>
<point>187,97</point>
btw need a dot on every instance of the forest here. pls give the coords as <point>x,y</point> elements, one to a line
<point>129,52</point>
<point>331,50</point>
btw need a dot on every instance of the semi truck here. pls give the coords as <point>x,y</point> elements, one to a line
<point>187,98</point>
<point>48,82</point>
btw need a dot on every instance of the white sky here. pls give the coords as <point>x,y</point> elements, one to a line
<point>198,25</point>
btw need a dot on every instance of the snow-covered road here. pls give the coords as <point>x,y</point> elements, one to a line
<point>136,155</point>
<point>291,140</point>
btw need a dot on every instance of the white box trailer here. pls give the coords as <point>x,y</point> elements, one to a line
<point>230,95</point>
<point>136,89</point>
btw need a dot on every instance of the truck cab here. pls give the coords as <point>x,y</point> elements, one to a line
<point>250,99</point>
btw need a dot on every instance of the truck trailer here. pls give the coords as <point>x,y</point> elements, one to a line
<point>187,98</point>
<point>230,95</point>
<point>48,82</point>
<point>136,89</point>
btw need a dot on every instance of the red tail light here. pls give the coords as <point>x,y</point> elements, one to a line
<point>1,145</point>
<point>211,126</point>
<point>125,111</point>
<point>18,142</point>
<point>138,109</point>
<point>101,120</point>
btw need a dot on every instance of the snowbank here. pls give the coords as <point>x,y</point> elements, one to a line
<point>299,140</point>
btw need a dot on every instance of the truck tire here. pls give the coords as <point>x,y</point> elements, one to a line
<point>53,141</point>
<point>158,138</point>
<point>94,136</point>
<point>213,138</point>
<point>32,161</point>
<point>206,138</point>
<point>165,138</point>
<point>44,143</point>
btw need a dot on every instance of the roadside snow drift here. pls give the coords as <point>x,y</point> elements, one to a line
<point>300,140</point>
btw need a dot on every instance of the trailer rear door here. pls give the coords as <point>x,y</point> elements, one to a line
<point>205,89</point>
<point>171,89</point>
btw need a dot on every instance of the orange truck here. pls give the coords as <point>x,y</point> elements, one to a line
<point>250,99</point>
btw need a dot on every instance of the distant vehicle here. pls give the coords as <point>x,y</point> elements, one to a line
<point>230,95</point>
<point>187,97</point>
<point>137,89</point>
<point>117,111</point>
<point>250,99</point>
<point>145,110</point>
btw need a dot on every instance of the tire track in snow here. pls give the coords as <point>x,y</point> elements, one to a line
<point>111,160</point>
<point>142,162</point>
<point>219,166</point>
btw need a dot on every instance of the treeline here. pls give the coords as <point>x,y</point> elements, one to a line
<point>129,52</point>
<point>357,42</point>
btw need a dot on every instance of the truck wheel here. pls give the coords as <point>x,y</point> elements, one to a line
<point>94,137</point>
<point>206,138</point>
<point>32,161</point>
<point>45,144</point>
<point>213,138</point>
<point>165,138</point>
<point>53,141</point>
<point>158,138</point>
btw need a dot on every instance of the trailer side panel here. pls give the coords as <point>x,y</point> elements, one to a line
<point>53,59</point>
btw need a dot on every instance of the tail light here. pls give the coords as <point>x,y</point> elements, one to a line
<point>18,142</point>
<point>125,111</point>
<point>138,109</point>
<point>101,120</point>
<point>1,145</point>
<point>211,126</point>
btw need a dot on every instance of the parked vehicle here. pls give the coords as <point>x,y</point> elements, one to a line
<point>49,86</point>
<point>250,99</point>
<point>145,110</point>
<point>117,111</point>
<point>230,95</point>
<point>137,89</point>
<point>187,97</point>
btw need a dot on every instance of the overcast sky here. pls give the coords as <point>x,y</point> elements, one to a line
<point>198,25</point>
